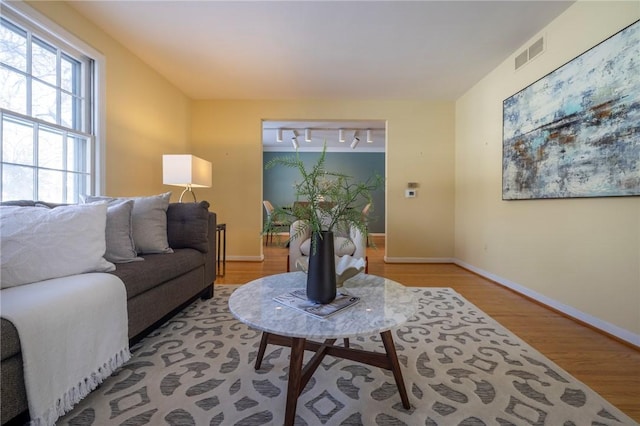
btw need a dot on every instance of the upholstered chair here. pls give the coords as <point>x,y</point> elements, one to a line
<point>350,242</point>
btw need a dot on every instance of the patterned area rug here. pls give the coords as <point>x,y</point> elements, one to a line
<point>460,367</point>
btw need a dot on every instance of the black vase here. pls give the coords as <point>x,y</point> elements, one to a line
<point>321,275</point>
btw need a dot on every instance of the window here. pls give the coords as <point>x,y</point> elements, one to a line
<point>48,137</point>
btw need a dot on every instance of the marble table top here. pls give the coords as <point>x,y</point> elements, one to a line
<point>383,304</point>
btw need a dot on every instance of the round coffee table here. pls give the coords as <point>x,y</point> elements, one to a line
<point>384,304</point>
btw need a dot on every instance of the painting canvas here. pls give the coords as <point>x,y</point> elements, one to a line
<point>576,131</point>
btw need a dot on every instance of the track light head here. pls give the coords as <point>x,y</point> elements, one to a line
<point>278,135</point>
<point>369,136</point>
<point>340,135</point>
<point>307,135</point>
<point>294,139</point>
<point>355,142</point>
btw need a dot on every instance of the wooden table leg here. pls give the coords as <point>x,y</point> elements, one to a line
<point>298,377</point>
<point>261,349</point>
<point>390,348</point>
<point>295,378</point>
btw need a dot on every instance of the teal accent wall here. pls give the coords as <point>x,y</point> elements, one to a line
<point>278,182</point>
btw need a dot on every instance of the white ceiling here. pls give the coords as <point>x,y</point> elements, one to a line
<point>322,49</point>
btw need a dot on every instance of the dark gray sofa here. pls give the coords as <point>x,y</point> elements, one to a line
<point>156,288</point>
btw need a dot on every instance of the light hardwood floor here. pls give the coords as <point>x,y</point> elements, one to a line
<point>605,365</point>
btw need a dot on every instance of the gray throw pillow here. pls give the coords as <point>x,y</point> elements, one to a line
<point>119,233</point>
<point>188,225</point>
<point>149,218</point>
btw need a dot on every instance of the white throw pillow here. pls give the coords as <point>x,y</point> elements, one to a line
<point>149,218</point>
<point>39,244</point>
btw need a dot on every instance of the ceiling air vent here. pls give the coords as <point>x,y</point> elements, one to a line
<point>536,48</point>
<point>528,54</point>
<point>522,59</point>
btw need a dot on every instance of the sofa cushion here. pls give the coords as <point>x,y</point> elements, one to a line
<point>39,244</point>
<point>341,246</point>
<point>149,217</point>
<point>187,225</point>
<point>156,269</point>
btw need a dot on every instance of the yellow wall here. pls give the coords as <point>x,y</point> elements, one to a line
<point>146,116</point>
<point>419,149</point>
<point>580,253</point>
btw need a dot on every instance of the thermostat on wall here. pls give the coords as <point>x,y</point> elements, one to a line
<point>410,193</point>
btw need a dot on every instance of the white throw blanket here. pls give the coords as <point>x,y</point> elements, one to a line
<point>73,335</point>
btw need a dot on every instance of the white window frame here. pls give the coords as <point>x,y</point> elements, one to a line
<point>39,23</point>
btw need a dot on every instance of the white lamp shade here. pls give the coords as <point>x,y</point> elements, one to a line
<point>186,170</point>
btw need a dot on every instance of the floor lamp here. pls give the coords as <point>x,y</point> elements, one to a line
<point>188,171</point>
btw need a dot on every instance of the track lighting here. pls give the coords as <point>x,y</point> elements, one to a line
<point>356,140</point>
<point>314,134</point>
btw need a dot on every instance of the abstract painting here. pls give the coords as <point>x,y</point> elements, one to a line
<point>576,131</point>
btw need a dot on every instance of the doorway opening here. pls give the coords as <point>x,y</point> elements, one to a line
<point>354,147</point>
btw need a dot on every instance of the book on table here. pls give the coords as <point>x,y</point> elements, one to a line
<point>298,300</point>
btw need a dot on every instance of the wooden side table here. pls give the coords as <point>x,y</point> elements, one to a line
<point>221,230</point>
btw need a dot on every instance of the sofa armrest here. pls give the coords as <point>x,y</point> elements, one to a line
<point>211,255</point>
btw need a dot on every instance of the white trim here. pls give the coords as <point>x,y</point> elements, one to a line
<point>100,121</point>
<point>418,259</point>
<point>45,24</point>
<point>609,328</point>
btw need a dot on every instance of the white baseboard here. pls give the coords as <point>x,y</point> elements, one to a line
<point>418,259</point>
<point>246,258</point>
<point>608,328</point>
